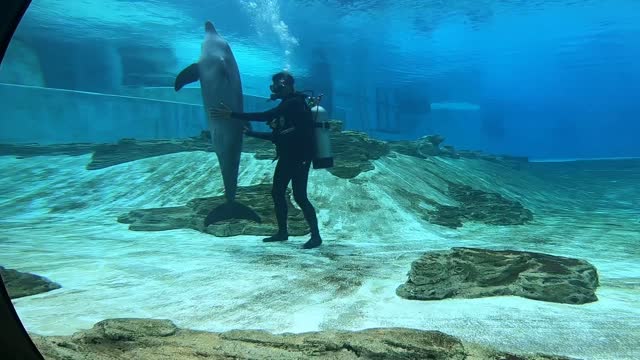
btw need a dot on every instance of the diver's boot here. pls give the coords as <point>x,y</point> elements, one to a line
<point>279,236</point>
<point>312,220</point>
<point>314,242</point>
<point>281,219</point>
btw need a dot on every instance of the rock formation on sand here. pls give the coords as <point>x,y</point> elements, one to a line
<point>20,284</point>
<point>192,215</point>
<point>474,273</point>
<point>120,339</point>
<point>473,205</point>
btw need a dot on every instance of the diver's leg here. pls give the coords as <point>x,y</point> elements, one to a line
<point>281,178</point>
<point>299,184</point>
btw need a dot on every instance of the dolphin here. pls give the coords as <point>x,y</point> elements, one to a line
<point>220,81</point>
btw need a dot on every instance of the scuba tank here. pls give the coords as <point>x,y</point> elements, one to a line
<point>323,157</point>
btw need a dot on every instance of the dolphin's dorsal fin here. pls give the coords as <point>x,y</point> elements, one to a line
<point>209,28</point>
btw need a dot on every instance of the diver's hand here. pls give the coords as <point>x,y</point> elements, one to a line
<point>222,111</point>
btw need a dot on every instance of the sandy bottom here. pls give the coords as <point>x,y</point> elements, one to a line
<point>59,220</point>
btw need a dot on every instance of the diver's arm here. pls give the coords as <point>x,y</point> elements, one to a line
<point>263,116</point>
<point>260,135</point>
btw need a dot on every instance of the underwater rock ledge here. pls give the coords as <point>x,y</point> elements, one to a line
<point>474,273</point>
<point>428,146</point>
<point>353,151</point>
<point>152,339</point>
<point>20,284</point>
<point>192,215</point>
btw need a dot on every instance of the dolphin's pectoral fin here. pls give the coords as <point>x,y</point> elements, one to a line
<point>231,210</point>
<point>190,74</point>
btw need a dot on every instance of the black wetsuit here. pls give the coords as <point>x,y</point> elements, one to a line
<point>293,138</point>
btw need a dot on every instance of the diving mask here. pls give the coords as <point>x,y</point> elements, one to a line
<point>277,88</point>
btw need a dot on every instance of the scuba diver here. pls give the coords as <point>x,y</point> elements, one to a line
<point>292,133</point>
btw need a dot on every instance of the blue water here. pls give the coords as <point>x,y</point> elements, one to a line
<point>553,79</point>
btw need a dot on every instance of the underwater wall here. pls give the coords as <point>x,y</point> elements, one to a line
<point>49,116</point>
<point>54,116</point>
<point>45,116</point>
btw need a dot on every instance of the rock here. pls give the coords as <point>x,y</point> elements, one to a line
<point>20,284</point>
<point>120,339</point>
<point>435,140</point>
<point>348,170</point>
<point>429,145</point>
<point>423,147</point>
<point>115,330</point>
<point>449,151</point>
<point>445,215</point>
<point>336,125</point>
<point>475,273</point>
<point>353,152</point>
<point>427,149</point>
<point>488,208</point>
<point>473,205</point>
<point>409,148</point>
<point>192,215</point>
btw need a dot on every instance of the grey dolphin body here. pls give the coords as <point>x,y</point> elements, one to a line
<point>220,81</point>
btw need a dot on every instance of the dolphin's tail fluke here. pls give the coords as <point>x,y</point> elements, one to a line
<point>231,210</point>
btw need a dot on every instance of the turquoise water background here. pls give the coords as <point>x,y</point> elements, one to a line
<point>552,79</point>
